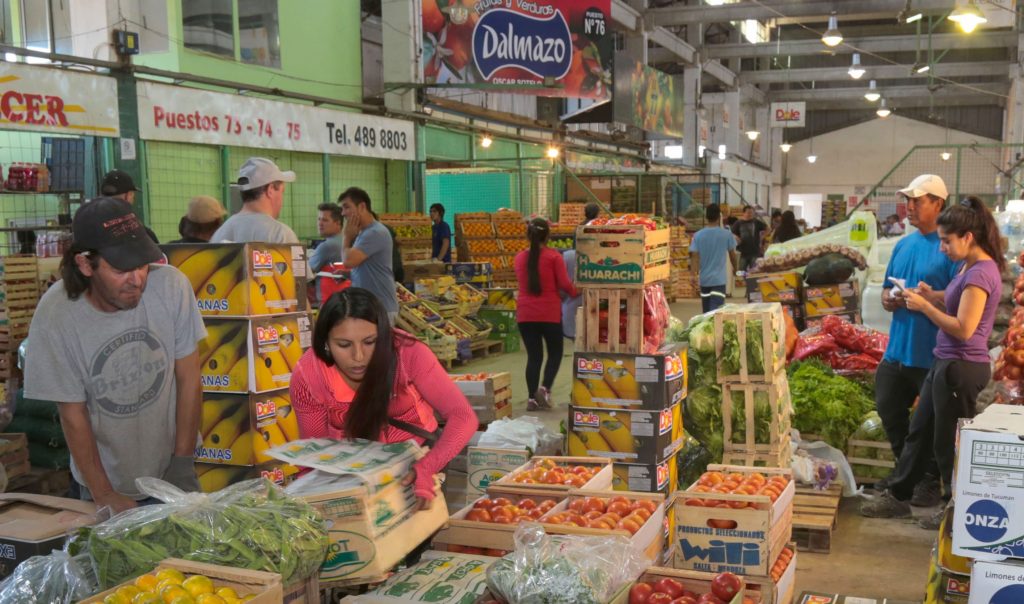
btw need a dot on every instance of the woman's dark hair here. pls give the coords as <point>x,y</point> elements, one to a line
<point>537,233</point>
<point>368,414</point>
<point>972,216</point>
<point>75,283</point>
<point>788,229</point>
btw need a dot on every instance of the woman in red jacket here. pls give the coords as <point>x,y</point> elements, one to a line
<point>363,379</point>
<point>541,275</point>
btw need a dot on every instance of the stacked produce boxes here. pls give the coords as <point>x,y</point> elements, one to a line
<point>413,233</point>
<point>252,297</point>
<point>785,288</point>
<point>493,238</point>
<point>684,281</point>
<point>841,299</point>
<point>499,311</point>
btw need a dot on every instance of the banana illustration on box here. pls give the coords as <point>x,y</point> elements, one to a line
<point>214,295</point>
<point>201,266</point>
<point>227,430</point>
<point>587,444</point>
<point>284,279</point>
<point>287,419</point>
<point>267,438</point>
<point>600,392</point>
<point>216,333</point>
<point>213,478</point>
<point>622,382</point>
<point>615,431</point>
<point>580,394</point>
<point>220,369</point>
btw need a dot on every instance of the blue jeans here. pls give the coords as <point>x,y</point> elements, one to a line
<point>710,298</point>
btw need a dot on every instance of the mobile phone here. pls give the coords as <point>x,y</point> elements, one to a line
<point>897,284</point>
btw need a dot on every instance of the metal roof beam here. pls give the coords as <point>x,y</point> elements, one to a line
<point>985,93</point>
<point>774,9</point>
<point>875,72</point>
<point>949,100</point>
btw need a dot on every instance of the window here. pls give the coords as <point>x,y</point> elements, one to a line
<point>258,36</point>
<point>209,26</point>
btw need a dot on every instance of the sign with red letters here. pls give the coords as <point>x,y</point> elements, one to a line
<point>57,101</point>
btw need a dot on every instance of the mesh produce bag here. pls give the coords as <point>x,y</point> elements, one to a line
<point>252,524</point>
<point>55,579</point>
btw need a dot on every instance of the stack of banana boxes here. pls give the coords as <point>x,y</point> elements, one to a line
<point>253,300</point>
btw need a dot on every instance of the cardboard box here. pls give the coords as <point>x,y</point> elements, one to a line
<point>996,583</point>
<point>214,476</point>
<point>263,586</point>
<point>243,279</point>
<point>422,270</point>
<point>785,288</point>
<point>500,298</point>
<point>750,539</point>
<point>253,355</point>
<point>852,317</point>
<point>470,272</point>
<point>439,576</point>
<point>486,466</point>
<point>35,525</point>
<point>831,299</point>
<point>637,436</point>
<point>650,539</point>
<point>817,597</point>
<point>238,429</point>
<point>647,478</point>
<point>948,561</point>
<point>630,381</point>
<point>626,256</point>
<point>503,322</point>
<point>945,587</point>
<point>775,592</point>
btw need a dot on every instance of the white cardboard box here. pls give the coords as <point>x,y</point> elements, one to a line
<point>988,519</point>
<point>996,583</point>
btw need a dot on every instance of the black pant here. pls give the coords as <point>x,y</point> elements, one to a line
<point>709,303</point>
<point>950,392</point>
<point>535,336</point>
<point>896,387</point>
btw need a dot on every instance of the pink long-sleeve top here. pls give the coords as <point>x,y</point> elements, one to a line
<point>546,307</point>
<point>321,398</point>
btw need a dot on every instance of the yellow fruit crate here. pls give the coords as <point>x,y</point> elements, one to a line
<point>483,247</point>
<point>476,229</point>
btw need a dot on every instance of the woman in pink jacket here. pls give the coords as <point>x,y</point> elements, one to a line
<point>363,379</point>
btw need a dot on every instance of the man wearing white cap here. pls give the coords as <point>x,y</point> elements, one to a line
<point>916,262</point>
<point>262,184</point>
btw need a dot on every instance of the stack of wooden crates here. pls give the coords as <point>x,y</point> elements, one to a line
<point>19,296</point>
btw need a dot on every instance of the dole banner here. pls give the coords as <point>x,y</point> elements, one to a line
<point>48,100</point>
<point>647,98</point>
<point>567,43</point>
<point>788,115</point>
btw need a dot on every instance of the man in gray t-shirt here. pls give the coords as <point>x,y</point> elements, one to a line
<point>368,249</point>
<point>262,184</point>
<point>114,343</point>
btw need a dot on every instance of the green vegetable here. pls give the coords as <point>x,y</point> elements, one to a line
<point>702,334</point>
<point>54,579</point>
<point>251,525</point>
<point>762,417</point>
<point>825,403</point>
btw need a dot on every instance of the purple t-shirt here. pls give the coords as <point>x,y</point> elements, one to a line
<point>985,275</point>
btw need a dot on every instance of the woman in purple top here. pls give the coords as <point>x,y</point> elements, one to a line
<point>968,234</point>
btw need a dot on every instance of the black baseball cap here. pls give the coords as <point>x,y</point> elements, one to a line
<point>110,227</point>
<point>117,182</point>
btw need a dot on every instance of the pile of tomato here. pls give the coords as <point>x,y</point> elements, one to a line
<point>724,588</point>
<point>736,483</point>
<point>781,564</point>
<point>470,377</point>
<point>606,514</point>
<point>476,551</point>
<point>546,471</point>
<point>502,511</point>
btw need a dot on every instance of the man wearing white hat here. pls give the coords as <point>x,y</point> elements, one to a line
<point>916,262</point>
<point>262,184</point>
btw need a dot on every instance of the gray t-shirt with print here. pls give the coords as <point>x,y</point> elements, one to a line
<point>376,272</point>
<point>121,365</point>
<point>246,227</point>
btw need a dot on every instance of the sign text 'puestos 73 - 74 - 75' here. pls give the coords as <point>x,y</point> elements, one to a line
<point>188,115</point>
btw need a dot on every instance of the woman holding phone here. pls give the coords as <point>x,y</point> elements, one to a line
<point>969,235</point>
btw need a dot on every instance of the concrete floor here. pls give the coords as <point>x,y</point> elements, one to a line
<point>870,558</point>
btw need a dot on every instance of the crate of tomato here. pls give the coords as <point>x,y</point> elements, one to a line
<point>556,476</point>
<point>734,518</point>
<point>672,586</point>
<point>638,516</point>
<point>489,523</point>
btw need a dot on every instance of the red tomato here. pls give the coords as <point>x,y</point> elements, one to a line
<point>669,586</point>
<point>639,593</point>
<point>726,586</point>
<point>709,599</point>
<point>484,503</point>
<point>684,600</point>
<point>659,598</point>
<point>526,504</point>
<point>478,515</point>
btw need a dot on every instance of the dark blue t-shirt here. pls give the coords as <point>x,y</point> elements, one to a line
<point>916,258</point>
<point>439,233</point>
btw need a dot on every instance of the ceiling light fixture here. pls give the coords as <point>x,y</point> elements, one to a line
<point>872,93</point>
<point>968,16</point>
<point>785,147</point>
<point>922,68</point>
<point>753,134</point>
<point>945,155</point>
<point>812,158</point>
<point>832,36</point>
<point>552,152</point>
<point>914,17</point>
<point>883,111</point>
<point>486,141</point>
<point>856,71</point>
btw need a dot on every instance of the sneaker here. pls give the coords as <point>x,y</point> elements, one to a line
<point>883,484</point>
<point>885,506</point>
<point>927,493</point>
<point>543,397</point>
<point>531,405</point>
<point>932,522</point>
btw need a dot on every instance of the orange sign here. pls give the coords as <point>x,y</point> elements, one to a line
<point>45,99</point>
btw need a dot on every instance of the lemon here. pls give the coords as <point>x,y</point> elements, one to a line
<point>147,597</point>
<point>197,585</point>
<point>227,593</point>
<point>210,599</point>
<point>172,592</point>
<point>115,598</point>
<point>128,592</point>
<point>182,599</point>
<point>147,582</point>
<point>170,573</point>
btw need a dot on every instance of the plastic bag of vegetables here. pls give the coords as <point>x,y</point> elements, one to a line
<point>55,579</point>
<point>569,570</point>
<point>252,524</point>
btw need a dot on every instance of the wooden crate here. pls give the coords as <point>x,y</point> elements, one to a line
<point>265,587</point>
<point>814,516</point>
<point>621,256</point>
<point>571,213</point>
<point>459,531</point>
<point>509,229</point>
<point>20,267</point>
<point>588,321</point>
<point>884,458</point>
<point>475,229</point>
<point>601,481</point>
<point>780,408</point>
<point>772,459</point>
<point>772,353</point>
<point>476,334</point>
<point>693,580</point>
<point>767,591</point>
<point>11,442</point>
<point>650,539</point>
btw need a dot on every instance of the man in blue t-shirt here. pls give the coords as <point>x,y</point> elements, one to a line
<point>708,250</point>
<point>916,260</point>
<point>441,235</point>
<point>368,247</point>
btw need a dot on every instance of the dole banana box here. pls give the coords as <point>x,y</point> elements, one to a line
<point>988,519</point>
<point>238,429</point>
<point>630,381</point>
<point>214,476</point>
<point>628,436</point>
<point>243,279</point>
<point>646,478</point>
<point>252,355</point>
<point>785,288</point>
<point>831,299</point>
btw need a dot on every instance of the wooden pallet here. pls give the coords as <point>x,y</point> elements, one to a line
<point>814,517</point>
<point>482,350</point>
